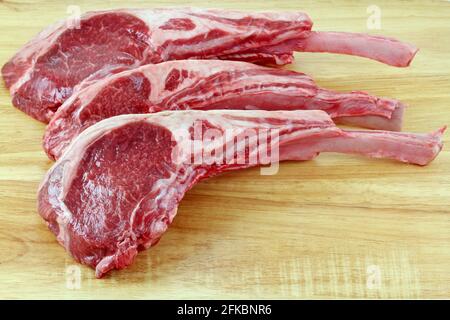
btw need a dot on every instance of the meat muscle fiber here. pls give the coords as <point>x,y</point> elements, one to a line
<point>117,188</point>
<point>43,74</point>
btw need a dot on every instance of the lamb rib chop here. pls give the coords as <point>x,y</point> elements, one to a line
<point>43,74</point>
<point>206,85</point>
<point>116,189</point>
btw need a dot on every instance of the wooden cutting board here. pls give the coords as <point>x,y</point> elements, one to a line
<point>336,227</point>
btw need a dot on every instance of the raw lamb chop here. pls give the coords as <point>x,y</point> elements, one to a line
<point>206,85</point>
<point>43,74</point>
<point>116,189</point>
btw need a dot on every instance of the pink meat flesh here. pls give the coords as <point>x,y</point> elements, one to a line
<point>206,85</point>
<point>43,74</point>
<point>117,188</point>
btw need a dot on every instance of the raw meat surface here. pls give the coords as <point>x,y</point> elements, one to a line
<point>43,74</point>
<point>206,85</point>
<point>116,189</point>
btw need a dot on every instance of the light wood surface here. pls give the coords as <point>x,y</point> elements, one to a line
<point>336,227</point>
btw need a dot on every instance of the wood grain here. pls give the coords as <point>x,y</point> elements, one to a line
<point>328,228</point>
